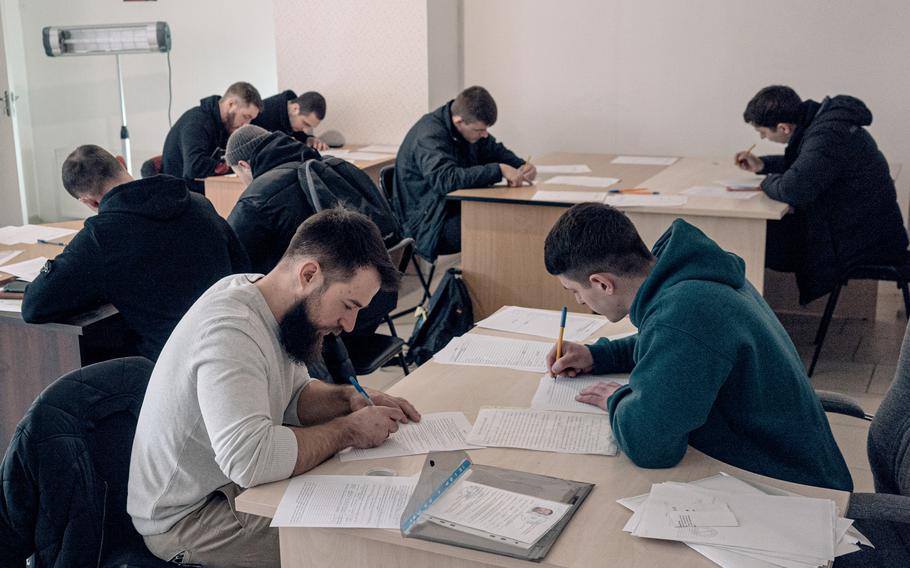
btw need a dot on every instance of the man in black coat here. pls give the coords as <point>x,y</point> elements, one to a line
<point>296,116</point>
<point>194,147</point>
<point>837,181</point>
<point>448,149</point>
<point>151,251</point>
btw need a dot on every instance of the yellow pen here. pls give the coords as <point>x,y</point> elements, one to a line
<point>562,331</point>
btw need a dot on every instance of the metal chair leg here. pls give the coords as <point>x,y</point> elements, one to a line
<point>403,363</point>
<point>823,326</point>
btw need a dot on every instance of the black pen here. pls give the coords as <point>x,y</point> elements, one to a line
<point>44,242</point>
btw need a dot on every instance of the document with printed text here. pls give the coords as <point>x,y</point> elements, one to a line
<point>583,181</point>
<point>437,432</point>
<point>26,270</point>
<point>559,393</point>
<point>543,323</point>
<point>531,429</point>
<point>563,169</point>
<point>490,351</point>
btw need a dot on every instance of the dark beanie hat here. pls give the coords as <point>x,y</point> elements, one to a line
<point>243,142</point>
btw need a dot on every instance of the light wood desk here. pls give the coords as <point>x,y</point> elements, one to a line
<point>503,231</point>
<point>33,356</point>
<point>224,191</point>
<point>594,536</point>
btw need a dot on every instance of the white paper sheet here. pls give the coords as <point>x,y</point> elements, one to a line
<point>436,432</point>
<point>742,183</point>
<point>645,160</point>
<point>353,156</point>
<point>583,181</point>
<point>718,192</point>
<point>569,196</point>
<point>530,429</point>
<point>483,510</point>
<point>26,270</point>
<point>29,234</point>
<point>10,305</point>
<point>632,200</point>
<point>380,148</point>
<point>490,351</point>
<point>347,501</point>
<point>8,255</point>
<point>542,323</point>
<point>562,169</point>
<point>559,393</point>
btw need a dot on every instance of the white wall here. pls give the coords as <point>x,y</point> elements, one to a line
<point>74,100</point>
<point>371,60</point>
<point>663,77</point>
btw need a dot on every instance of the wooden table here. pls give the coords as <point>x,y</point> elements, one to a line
<point>33,356</point>
<point>594,537</point>
<point>503,231</point>
<point>224,191</point>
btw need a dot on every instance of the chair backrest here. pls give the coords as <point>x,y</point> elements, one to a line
<point>65,473</point>
<point>888,445</point>
<point>401,254</point>
<point>387,184</point>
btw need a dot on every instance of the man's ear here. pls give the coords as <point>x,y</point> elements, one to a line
<point>245,165</point>
<point>604,282</point>
<point>456,119</point>
<point>294,108</point>
<point>309,273</point>
<point>90,201</point>
<point>785,128</point>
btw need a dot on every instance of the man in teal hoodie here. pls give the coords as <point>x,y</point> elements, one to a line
<point>711,366</point>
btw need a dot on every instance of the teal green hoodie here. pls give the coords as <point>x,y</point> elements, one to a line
<point>713,368</point>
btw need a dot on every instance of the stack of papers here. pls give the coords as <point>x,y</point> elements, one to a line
<point>742,184</point>
<point>344,501</point>
<point>496,514</point>
<point>543,323</point>
<point>438,432</point>
<point>719,192</point>
<point>8,255</point>
<point>490,351</point>
<point>563,169</point>
<point>583,181</point>
<point>644,160</point>
<point>379,149</point>
<point>29,234</point>
<point>735,523</point>
<point>11,306</point>
<point>558,393</point>
<point>353,156</point>
<point>645,200</point>
<point>26,270</point>
<point>569,196</point>
<point>543,430</point>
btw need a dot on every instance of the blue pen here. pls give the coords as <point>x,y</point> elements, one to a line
<point>353,380</point>
<point>44,242</point>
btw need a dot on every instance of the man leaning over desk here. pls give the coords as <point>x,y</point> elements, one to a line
<point>711,366</point>
<point>230,405</point>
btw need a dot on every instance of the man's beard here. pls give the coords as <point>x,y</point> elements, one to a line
<point>300,337</point>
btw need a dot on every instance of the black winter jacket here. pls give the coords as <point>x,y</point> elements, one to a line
<point>274,115</point>
<point>433,161</point>
<point>833,172</point>
<point>195,144</point>
<point>151,251</point>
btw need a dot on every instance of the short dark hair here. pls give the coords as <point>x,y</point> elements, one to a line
<point>311,101</point>
<point>245,92</point>
<point>88,169</point>
<point>591,238</point>
<point>475,103</point>
<point>772,106</point>
<point>343,241</point>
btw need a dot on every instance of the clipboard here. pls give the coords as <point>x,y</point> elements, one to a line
<point>442,470</point>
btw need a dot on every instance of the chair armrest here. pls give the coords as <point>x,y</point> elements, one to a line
<point>841,404</point>
<point>879,507</point>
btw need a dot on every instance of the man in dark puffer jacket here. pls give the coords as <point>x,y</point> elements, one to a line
<point>837,181</point>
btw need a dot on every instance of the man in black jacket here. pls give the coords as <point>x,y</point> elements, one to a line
<point>295,116</point>
<point>151,251</point>
<point>837,181</point>
<point>194,147</point>
<point>448,149</point>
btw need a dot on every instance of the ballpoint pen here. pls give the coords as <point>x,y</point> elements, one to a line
<point>562,331</point>
<point>44,242</point>
<point>353,380</point>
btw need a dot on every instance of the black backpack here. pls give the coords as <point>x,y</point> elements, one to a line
<point>449,315</point>
<point>331,182</point>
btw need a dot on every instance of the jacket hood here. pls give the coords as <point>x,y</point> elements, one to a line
<point>683,254</point>
<point>278,148</point>
<point>842,108</point>
<point>159,197</point>
<point>210,106</point>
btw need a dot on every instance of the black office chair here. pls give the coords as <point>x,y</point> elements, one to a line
<point>387,185</point>
<point>897,273</point>
<point>65,473</point>
<point>884,516</point>
<point>370,352</point>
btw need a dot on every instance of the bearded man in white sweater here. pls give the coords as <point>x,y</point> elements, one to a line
<point>230,404</point>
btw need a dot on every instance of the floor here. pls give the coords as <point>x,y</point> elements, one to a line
<point>859,359</point>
